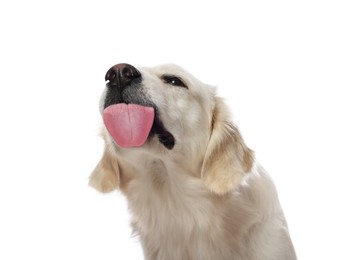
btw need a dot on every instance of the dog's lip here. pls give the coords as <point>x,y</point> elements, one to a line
<point>164,136</point>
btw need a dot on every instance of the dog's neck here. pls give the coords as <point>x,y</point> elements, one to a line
<point>159,186</point>
<point>139,163</point>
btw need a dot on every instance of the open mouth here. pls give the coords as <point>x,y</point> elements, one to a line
<point>130,125</point>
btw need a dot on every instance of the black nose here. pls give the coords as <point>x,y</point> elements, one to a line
<point>122,74</point>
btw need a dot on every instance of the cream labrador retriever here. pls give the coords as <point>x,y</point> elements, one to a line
<point>193,187</point>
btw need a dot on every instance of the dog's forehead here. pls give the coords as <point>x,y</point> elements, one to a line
<point>170,69</point>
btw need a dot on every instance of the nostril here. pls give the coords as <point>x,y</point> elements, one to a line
<point>111,75</point>
<point>130,72</point>
<point>126,72</point>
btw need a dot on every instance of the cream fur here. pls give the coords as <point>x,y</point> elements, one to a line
<point>205,199</point>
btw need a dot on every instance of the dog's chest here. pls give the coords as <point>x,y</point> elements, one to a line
<point>178,220</point>
<point>171,205</point>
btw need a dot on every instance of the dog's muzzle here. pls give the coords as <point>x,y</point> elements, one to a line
<point>126,98</point>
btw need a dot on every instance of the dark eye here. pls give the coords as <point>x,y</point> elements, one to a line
<point>174,80</point>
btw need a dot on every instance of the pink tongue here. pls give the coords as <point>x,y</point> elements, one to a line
<point>128,124</point>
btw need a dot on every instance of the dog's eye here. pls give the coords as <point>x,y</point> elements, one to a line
<point>174,80</point>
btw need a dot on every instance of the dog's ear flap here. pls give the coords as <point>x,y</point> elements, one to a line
<point>227,158</point>
<point>105,177</point>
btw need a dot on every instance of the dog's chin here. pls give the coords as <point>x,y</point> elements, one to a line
<point>164,137</point>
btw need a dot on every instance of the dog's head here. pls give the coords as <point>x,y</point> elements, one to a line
<point>168,114</point>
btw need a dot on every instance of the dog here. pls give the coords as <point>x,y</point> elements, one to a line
<point>195,190</point>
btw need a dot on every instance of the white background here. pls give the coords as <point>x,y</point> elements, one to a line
<point>285,68</point>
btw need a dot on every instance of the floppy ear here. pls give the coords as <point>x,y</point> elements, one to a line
<point>105,177</point>
<point>227,158</point>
